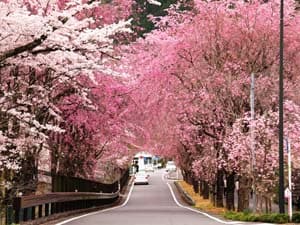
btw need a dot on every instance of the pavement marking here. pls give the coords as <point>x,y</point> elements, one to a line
<point>210,216</point>
<point>163,175</point>
<point>265,224</point>
<point>100,211</point>
<point>197,211</point>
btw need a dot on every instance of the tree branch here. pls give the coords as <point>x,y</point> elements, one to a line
<point>29,46</point>
<point>24,48</point>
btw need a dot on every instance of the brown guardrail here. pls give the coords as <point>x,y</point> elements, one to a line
<point>32,207</point>
<point>35,200</point>
<point>36,206</point>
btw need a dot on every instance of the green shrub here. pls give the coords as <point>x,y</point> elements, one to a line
<point>250,217</point>
<point>279,218</point>
<point>296,217</point>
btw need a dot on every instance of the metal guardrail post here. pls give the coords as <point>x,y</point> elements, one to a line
<point>22,215</point>
<point>36,206</point>
<point>40,211</point>
<point>9,215</point>
<point>18,212</point>
<point>47,209</point>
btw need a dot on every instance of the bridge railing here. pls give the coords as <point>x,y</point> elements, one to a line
<point>32,207</point>
<point>37,206</point>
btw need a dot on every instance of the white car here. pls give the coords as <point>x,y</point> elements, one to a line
<point>141,177</point>
<point>149,168</point>
<point>170,166</point>
<point>159,165</point>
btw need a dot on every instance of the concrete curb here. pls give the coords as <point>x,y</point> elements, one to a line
<point>184,195</point>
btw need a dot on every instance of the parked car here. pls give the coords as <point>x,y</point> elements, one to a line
<point>157,166</point>
<point>141,178</point>
<point>170,166</point>
<point>149,168</point>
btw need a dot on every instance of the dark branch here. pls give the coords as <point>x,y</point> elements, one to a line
<point>29,46</point>
<point>24,48</point>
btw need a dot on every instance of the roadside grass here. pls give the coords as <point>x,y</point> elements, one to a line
<point>206,206</point>
<point>200,203</point>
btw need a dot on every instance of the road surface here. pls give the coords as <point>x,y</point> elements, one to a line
<point>153,204</point>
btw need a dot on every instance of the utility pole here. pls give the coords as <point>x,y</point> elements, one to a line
<point>281,166</point>
<point>290,197</point>
<point>252,135</point>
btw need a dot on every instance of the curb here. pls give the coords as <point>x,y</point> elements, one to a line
<point>184,195</point>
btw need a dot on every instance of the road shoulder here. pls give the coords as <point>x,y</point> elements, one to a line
<point>186,204</point>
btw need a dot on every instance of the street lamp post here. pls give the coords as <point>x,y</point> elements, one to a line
<point>281,165</point>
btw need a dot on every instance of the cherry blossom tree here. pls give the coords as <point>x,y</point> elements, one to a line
<point>181,91</point>
<point>48,51</point>
<point>205,58</point>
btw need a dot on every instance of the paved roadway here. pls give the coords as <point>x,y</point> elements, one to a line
<point>152,204</point>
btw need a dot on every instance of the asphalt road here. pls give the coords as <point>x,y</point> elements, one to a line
<point>152,204</point>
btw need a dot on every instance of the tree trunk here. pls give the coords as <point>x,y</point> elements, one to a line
<point>244,194</point>
<point>189,178</point>
<point>259,203</point>
<point>230,192</point>
<point>268,206</point>
<point>204,190</point>
<point>184,175</point>
<point>195,185</point>
<point>201,187</point>
<point>212,194</point>
<point>219,189</point>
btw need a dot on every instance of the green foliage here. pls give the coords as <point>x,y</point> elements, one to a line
<point>142,9</point>
<point>268,218</point>
<point>296,217</point>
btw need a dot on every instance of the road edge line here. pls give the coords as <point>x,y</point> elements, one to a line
<point>99,211</point>
<point>197,211</point>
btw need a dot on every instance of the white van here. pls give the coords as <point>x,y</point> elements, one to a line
<point>170,166</point>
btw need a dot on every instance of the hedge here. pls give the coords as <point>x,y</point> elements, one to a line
<point>268,218</point>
